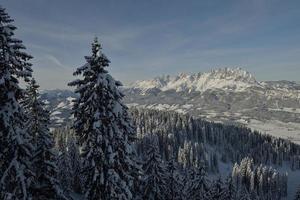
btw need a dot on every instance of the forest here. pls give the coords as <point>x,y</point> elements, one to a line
<point>112,152</point>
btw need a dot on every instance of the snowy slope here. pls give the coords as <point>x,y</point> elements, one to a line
<point>233,79</point>
<point>225,95</point>
<point>59,103</point>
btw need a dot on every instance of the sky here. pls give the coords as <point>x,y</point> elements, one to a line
<point>148,38</point>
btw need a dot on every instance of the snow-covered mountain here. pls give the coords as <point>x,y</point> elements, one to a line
<point>224,95</point>
<point>232,79</point>
<point>59,103</point>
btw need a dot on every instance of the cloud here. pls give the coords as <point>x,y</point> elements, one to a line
<point>51,73</point>
<point>56,32</point>
<point>239,33</point>
<point>49,61</point>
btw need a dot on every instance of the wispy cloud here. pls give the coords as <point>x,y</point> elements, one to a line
<point>163,39</point>
<point>49,61</point>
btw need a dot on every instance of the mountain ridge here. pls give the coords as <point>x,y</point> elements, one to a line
<point>234,79</point>
<point>271,107</point>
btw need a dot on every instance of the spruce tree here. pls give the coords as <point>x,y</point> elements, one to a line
<point>198,186</point>
<point>174,182</point>
<point>32,110</point>
<point>297,196</point>
<point>46,185</point>
<point>75,163</point>
<point>244,194</point>
<point>15,142</point>
<point>154,179</point>
<point>216,191</point>
<point>104,129</point>
<point>65,170</point>
<point>229,190</point>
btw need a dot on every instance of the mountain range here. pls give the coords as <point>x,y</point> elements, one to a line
<point>227,95</point>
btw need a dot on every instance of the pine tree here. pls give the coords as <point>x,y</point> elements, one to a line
<point>229,190</point>
<point>15,142</point>
<point>33,109</point>
<point>75,163</point>
<point>244,194</point>
<point>104,129</point>
<point>216,191</point>
<point>46,185</point>
<point>174,183</point>
<point>199,185</point>
<point>65,170</point>
<point>154,179</point>
<point>297,196</point>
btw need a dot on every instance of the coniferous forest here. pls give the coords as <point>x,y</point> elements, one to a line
<point>111,152</point>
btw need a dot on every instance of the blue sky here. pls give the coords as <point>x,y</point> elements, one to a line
<point>144,39</point>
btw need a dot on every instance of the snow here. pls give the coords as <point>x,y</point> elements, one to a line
<point>277,128</point>
<point>230,79</point>
<point>180,111</point>
<point>225,169</point>
<point>55,113</point>
<point>59,121</point>
<point>76,196</point>
<point>70,99</point>
<point>175,107</point>
<point>46,102</point>
<point>161,106</point>
<point>290,110</point>
<point>132,104</point>
<point>293,180</point>
<point>187,106</point>
<point>61,105</point>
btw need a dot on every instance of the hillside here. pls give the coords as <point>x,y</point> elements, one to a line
<point>229,96</point>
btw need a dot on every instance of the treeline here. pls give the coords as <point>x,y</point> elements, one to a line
<point>107,155</point>
<point>170,179</point>
<point>261,180</point>
<point>107,167</point>
<point>28,168</point>
<point>178,157</point>
<point>188,139</point>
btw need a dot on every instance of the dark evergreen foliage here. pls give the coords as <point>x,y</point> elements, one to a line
<point>187,137</point>
<point>178,153</point>
<point>259,180</point>
<point>154,185</point>
<point>104,130</point>
<point>174,180</point>
<point>46,184</point>
<point>198,186</point>
<point>297,196</point>
<point>15,142</point>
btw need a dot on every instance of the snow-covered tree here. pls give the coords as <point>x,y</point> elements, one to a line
<point>229,191</point>
<point>45,185</point>
<point>297,196</point>
<point>216,191</point>
<point>154,178</point>
<point>65,171</point>
<point>174,181</point>
<point>244,194</point>
<point>75,163</point>
<point>15,142</point>
<point>198,186</point>
<point>104,129</point>
<point>33,110</point>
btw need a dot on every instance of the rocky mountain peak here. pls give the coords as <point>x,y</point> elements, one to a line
<point>224,78</point>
